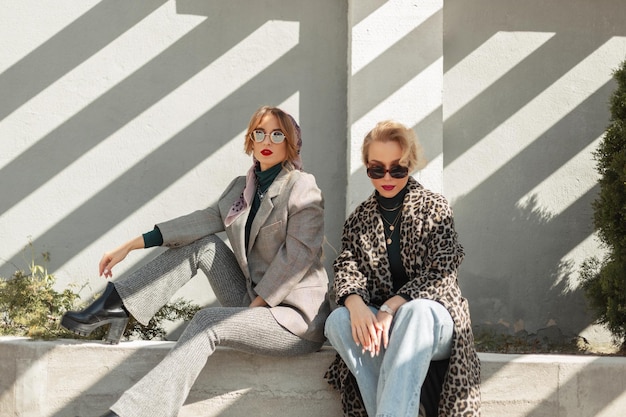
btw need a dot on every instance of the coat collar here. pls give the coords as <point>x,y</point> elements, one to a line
<point>267,204</point>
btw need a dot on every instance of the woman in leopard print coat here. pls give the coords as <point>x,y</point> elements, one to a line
<point>400,305</point>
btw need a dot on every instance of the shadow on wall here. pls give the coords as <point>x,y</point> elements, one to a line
<point>519,273</point>
<point>314,70</point>
<point>299,71</point>
<point>524,281</point>
<point>536,290</point>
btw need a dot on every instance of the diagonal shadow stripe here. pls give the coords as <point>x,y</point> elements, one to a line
<point>484,215</point>
<point>400,63</point>
<point>548,278</point>
<point>545,155</point>
<point>140,90</point>
<point>365,9</point>
<point>554,148</point>
<point>68,48</point>
<point>484,18</point>
<point>429,133</point>
<point>295,10</point>
<point>169,162</point>
<point>511,92</point>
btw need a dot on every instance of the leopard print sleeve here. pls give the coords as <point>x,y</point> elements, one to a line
<point>349,279</point>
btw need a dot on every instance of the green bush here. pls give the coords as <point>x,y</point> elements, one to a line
<point>30,306</point>
<point>604,281</point>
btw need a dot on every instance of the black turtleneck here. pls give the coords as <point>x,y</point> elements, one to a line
<point>398,273</point>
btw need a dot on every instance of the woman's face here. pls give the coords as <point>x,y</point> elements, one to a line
<point>386,155</point>
<point>267,152</point>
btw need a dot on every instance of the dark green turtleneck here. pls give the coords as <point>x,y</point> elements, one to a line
<point>263,179</point>
<point>398,273</point>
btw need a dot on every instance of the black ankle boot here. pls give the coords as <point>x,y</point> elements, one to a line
<point>109,414</point>
<point>106,309</point>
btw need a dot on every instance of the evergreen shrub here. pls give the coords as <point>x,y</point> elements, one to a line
<point>604,281</point>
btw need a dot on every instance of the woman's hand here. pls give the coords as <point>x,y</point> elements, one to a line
<point>385,319</point>
<point>112,258</point>
<point>366,331</point>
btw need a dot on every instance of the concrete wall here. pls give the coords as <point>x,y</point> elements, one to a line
<point>526,90</point>
<point>396,72</point>
<point>38,380</point>
<point>115,115</point>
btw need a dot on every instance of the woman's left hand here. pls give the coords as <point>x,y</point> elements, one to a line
<point>384,323</point>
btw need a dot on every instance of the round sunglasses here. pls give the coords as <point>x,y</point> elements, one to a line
<point>276,136</point>
<point>377,172</point>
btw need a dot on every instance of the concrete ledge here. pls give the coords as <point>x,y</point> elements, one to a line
<point>68,378</point>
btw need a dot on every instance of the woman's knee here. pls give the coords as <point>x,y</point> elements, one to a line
<point>424,311</point>
<point>204,320</point>
<point>337,323</point>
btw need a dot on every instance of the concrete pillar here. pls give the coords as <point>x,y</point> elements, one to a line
<point>395,64</point>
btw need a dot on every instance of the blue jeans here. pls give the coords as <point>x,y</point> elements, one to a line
<point>390,383</point>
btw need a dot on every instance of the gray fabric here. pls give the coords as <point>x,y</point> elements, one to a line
<point>253,330</point>
<point>163,390</point>
<point>282,262</point>
<point>150,287</point>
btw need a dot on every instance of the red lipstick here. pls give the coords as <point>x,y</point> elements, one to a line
<point>266,152</point>
<point>388,187</point>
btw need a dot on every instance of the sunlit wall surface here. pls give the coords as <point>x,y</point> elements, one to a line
<point>526,90</point>
<point>115,115</point>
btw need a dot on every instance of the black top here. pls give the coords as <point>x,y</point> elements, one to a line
<point>391,211</point>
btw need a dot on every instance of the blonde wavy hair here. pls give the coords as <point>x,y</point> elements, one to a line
<point>392,131</point>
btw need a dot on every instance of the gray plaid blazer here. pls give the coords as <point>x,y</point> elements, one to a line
<point>283,261</point>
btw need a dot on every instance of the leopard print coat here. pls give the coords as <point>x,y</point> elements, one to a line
<point>431,255</point>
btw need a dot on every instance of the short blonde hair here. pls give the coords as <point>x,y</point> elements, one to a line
<point>287,126</point>
<point>392,131</point>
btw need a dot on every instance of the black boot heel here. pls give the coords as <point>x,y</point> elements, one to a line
<point>113,336</point>
<point>116,331</point>
<point>106,309</point>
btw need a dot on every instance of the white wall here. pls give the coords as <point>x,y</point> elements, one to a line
<point>526,90</point>
<point>115,115</point>
<point>396,64</point>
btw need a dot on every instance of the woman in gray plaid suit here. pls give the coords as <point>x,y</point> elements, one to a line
<point>272,285</point>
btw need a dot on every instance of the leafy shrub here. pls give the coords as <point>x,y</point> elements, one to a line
<point>604,281</point>
<point>30,306</point>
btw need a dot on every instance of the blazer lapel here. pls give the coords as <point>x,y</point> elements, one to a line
<point>237,239</point>
<point>267,205</point>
